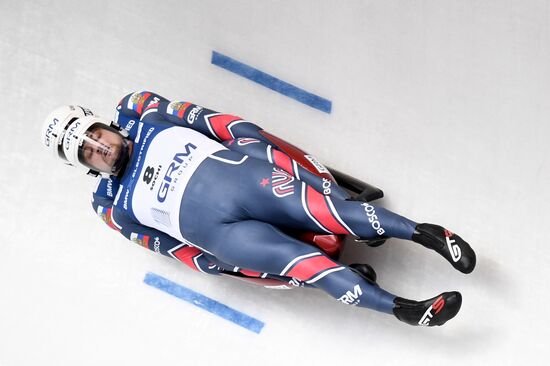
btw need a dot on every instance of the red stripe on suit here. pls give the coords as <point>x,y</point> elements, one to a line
<point>282,160</point>
<point>308,267</point>
<point>319,208</point>
<point>220,122</point>
<point>186,255</point>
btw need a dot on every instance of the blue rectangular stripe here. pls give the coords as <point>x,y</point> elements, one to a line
<point>271,82</point>
<point>204,302</point>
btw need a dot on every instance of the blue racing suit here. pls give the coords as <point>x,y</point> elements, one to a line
<point>211,190</point>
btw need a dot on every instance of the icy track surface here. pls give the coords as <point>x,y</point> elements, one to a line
<point>442,104</point>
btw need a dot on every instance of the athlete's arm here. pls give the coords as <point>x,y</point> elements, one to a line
<point>218,126</point>
<point>133,105</point>
<point>160,242</point>
<point>226,128</point>
<point>145,236</point>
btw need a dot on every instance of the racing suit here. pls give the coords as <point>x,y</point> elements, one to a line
<point>213,191</point>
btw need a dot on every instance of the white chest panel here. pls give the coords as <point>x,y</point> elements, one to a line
<point>171,159</point>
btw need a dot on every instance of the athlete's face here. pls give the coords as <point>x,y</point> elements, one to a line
<point>101,149</point>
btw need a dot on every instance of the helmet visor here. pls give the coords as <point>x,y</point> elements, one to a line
<point>103,149</point>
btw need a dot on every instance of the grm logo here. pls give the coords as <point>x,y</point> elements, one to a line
<point>352,298</point>
<point>176,163</point>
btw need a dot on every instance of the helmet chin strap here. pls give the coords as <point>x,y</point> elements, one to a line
<point>122,159</point>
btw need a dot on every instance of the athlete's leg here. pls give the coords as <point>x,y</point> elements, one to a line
<point>363,269</point>
<point>261,247</point>
<point>215,218</point>
<point>272,195</point>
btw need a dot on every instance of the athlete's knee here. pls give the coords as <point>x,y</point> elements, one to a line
<point>310,267</point>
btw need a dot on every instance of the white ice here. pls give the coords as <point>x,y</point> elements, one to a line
<point>443,104</point>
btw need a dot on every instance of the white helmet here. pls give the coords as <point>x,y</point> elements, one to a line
<point>57,123</point>
<point>64,132</point>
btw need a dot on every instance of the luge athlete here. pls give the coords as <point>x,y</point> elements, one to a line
<point>214,191</point>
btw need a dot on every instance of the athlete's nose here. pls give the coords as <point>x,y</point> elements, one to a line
<point>103,149</point>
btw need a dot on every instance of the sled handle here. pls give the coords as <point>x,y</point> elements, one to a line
<point>360,190</point>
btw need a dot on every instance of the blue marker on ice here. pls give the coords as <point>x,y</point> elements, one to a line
<point>271,82</point>
<point>204,302</point>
